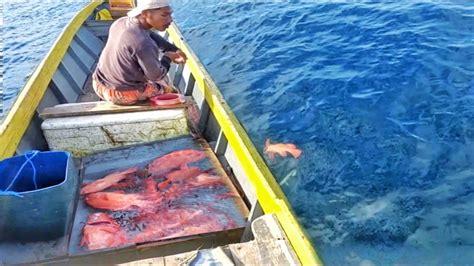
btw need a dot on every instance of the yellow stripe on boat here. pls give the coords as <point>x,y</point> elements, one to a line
<point>269,193</point>
<point>15,124</point>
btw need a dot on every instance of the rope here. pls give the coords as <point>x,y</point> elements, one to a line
<point>28,157</point>
<point>10,193</point>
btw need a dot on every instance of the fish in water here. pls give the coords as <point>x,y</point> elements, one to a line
<point>282,149</point>
<point>174,160</point>
<point>107,181</point>
<point>102,231</point>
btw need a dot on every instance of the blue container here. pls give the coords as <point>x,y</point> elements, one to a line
<point>37,193</point>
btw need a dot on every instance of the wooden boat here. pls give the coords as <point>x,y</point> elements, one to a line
<point>60,88</point>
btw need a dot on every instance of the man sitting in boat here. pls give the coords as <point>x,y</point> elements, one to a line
<point>129,68</point>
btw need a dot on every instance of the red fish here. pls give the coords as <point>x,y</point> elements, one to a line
<point>171,223</point>
<point>174,160</point>
<point>129,182</point>
<point>205,180</point>
<point>101,231</point>
<point>226,195</point>
<point>175,191</point>
<point>282,149</point>
<point>184,174</point>
<point>164,184</point>
<point>119,201</point>
<point>107,181</point>
<point>200,222</point>
<point>157,225</point>
<point>151,190</point>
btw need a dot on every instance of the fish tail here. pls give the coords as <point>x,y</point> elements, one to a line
<point>296,153</point>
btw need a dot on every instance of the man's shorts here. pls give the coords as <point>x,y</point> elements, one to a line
<point>125,97</point>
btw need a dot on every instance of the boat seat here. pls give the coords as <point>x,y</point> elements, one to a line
<point>90,127</point>
<point>100,107</point>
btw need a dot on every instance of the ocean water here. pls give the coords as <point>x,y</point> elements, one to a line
<point>29,30</point>
<point>2,71</point>
<point>379,96</point>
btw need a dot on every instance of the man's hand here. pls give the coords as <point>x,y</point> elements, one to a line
<point>183,56</point>
<point>178,57</point>
<point>166,88</point>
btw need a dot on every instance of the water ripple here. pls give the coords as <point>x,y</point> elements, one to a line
<point>380,98</point>
<point>28,33</point>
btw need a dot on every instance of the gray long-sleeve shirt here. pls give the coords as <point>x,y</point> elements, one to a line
<point>130,58</point>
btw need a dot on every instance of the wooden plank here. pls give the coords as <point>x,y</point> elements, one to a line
<point>159,261</point>
<point>276,252</point>
<point>95,108</point>
<point>267,228</point>
<point>74,69</point>
<point>121,4</point>
<point>255,212</point>
<point>172,73</point>
<point>49,99</point>
<point>220,255</point>
<point>83,54</point>
<point>100,32</point>
<point>181,259</point>
<point>245,254</point>
<point>94,43</point>
<point>118,13</point>
<point>178,75</point>
<point>65,85</point>
<point>33,138</point>
<point>271,242</point>
<point>99,23</point>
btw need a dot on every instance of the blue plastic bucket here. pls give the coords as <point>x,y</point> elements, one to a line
<point>37,192</point>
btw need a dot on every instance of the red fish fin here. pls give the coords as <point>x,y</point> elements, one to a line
<point>267,144</point>
<point>271,155</point>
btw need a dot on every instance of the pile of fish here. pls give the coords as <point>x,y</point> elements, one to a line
<point>140,204</point>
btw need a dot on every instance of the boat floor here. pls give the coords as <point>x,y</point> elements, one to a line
<point>96,166</point>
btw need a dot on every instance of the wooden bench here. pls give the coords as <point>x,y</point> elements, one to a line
<point>101,107</point>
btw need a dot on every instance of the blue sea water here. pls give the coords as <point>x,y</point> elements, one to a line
<point>29,30</point>
<point>380,98</point>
